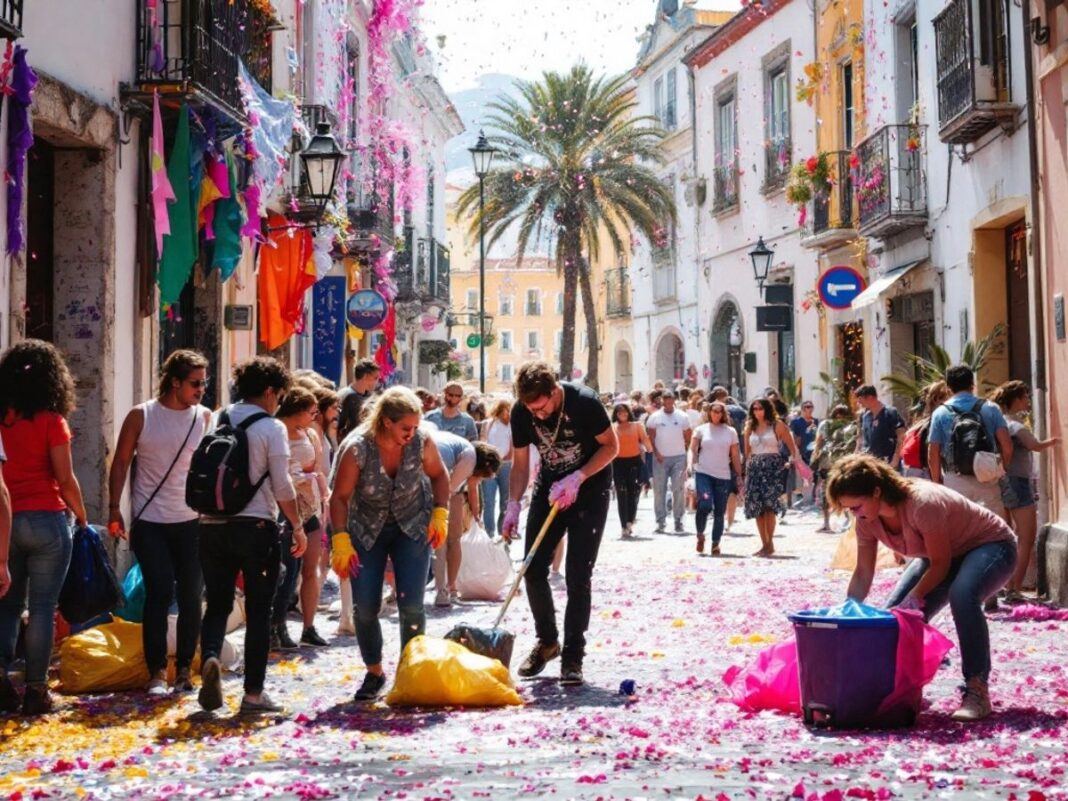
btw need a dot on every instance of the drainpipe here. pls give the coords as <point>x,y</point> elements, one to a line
<point>1038,303</point>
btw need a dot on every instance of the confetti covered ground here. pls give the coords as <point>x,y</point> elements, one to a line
<point>664,617</point>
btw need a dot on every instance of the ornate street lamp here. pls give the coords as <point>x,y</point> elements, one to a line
<point>320,166</point>
<point>482,158</point>
<point>761,256</point>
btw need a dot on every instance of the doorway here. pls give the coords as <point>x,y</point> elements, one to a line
<point>670,358</point>
<point>624,376</point>
<point>851,348</point>
<point>726,363</point>
<point>1018,302</point>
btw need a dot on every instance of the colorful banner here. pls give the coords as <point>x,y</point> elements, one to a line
<point>328,327</point>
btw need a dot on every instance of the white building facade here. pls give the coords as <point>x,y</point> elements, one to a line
<point>750,131</point>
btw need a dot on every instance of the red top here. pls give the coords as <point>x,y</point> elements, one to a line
<point>28,469</point>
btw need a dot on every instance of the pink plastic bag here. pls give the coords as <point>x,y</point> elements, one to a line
<point>920,651</point>
<point>772,682</point>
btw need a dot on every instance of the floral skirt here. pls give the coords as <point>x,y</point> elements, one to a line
<point>764,484</point>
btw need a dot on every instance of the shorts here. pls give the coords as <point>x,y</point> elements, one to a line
<point>1017,492</point>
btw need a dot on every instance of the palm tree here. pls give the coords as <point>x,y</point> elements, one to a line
<point>575,165</point>
<point>933,368</point>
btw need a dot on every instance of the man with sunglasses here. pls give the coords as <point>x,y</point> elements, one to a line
<point>570,428</point>
<point>450,418</point>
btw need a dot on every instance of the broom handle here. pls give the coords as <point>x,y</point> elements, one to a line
<point>526,563</point>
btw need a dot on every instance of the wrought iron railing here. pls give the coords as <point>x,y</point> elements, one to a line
<point>404,268</point>
<point>972,69</point>
<point>617,290</point>
<point>725,187</point>
<point>10,19</point>
<point>889,182</point>
<point>442,271</point>
<point>833,210</point>
<point>777,158</point>
<point>196,45</point>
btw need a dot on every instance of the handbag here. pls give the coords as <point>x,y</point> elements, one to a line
<point>90,587</point>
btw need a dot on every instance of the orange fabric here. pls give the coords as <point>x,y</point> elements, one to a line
<point>629,441</point>
<point>286,270</point>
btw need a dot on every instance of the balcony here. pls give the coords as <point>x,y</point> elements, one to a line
<point>777,157</point>
<point>191,49</point>
<point>421,270</point>
<point>725,188</point>
<point>889,181</point>
<point>371,219</point>
<point>973,75</point>
<point>10,19</point>
<point>832,216</point>
<point>617,289</point>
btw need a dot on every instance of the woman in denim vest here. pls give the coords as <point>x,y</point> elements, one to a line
<point>387,477</point>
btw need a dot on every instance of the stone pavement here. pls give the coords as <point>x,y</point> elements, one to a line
<point>664,617</point>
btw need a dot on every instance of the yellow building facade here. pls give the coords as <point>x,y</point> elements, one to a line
<point>835,86</point>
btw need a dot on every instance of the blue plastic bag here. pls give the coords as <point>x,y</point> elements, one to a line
<point>90,588</point>
<point>849,613</point>
<point>133,587</point>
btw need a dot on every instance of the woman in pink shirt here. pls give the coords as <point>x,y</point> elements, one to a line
<point>962,555</point>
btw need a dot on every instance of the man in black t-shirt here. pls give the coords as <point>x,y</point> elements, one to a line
<point>882,431</point>
<point>352,398</point>
<point>570,428</point>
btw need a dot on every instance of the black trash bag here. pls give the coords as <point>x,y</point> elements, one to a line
<point>495,643</point>
<point>91,587</point>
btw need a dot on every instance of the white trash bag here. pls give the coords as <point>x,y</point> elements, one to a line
<point>485,568</point>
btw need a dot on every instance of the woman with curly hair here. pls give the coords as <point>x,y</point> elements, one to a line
<point>36,396</point>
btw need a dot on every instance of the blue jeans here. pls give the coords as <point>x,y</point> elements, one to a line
<point>492,488</point>
<point>411,562</point>
<point>712,495</point>
<point>674,468</point>
<point>38,560</point>
<point>972,578</point>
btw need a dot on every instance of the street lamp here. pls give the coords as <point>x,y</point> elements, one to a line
<point>761,257</point>
<point>482,157</point>
<point>320,166</point>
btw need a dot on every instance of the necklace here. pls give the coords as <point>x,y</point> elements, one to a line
<point>559,420</point>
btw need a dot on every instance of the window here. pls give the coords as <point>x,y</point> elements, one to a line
<point>670,116</point>
<point>533,303</point>
<point>506,372</point>
<point>559,302</point>
<point>532,340</point>
<point>559,345</point>
<point>506,341</point>
<point>725,171</point>
<point>658,100</point>
<point>472,299</point>
<point>504,306</point>
<point>354,108</point>
<point>848,112</point>
<point>430,201</point>
<point>583,341</point>
<point>777,153</point>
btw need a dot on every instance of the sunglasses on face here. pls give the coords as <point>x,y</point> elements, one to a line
<point>199,383</point>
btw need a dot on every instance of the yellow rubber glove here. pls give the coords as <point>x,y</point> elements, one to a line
<point>438,530</point>
<point>343,558</point>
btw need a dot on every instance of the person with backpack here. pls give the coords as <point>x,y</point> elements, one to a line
<point>36,397</point>
<point>238,480</point>
<point>390,502</point>
<point>162,435</point>
<point>967,436</point>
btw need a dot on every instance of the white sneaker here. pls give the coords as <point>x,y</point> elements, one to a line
<point>158,686</point>
<point>442,598</point>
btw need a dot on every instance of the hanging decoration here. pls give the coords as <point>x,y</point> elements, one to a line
<point>809,179</point>
<point>286,271</point>
<point>19,138</point>
<point>162,191</point>
<point>386,355</point>
<point>180,244</point>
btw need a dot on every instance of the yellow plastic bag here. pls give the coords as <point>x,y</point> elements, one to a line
<point>845,557</point>
<point>107,658</point>
<point>437,672</point>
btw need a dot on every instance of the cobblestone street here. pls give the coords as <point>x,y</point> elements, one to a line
<point>664,617</point>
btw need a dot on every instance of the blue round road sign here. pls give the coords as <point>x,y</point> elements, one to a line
<point>839,287</point>
<point>366,309</point>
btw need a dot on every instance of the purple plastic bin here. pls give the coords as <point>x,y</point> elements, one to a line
<point>847,667</point>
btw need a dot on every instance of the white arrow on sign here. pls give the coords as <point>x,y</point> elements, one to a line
<point>834,289</point>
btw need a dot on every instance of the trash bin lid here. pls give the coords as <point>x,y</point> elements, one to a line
<point>851,614</point>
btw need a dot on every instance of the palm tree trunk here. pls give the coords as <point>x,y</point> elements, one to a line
<point>589,311</point>
<point>567,338</point>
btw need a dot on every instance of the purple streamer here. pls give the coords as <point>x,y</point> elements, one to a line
<point>19,142</point>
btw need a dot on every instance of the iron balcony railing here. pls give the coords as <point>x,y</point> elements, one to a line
<point>10,19</point>
<point>973,70</point>
<point>832,216</point>
<point>405,271</point>
<point>777,158</point>
<point>889,181</point>
<point>617,289</point>
<point>442,271</point>
<point>421,269</point>
<point>194,47</point>
<point>725,188</point>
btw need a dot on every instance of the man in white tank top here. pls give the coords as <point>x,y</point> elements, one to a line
<point>164,533</point>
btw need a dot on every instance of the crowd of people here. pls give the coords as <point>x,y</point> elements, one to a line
<point>379,485</point>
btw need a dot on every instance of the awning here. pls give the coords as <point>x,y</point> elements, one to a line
<point>880,286</point>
